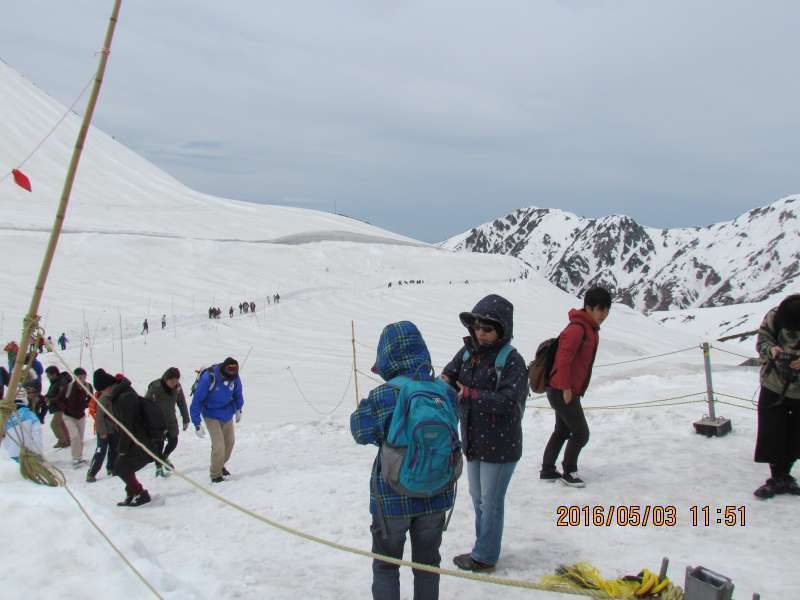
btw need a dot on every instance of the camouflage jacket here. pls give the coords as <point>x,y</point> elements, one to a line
<point>786,339</point>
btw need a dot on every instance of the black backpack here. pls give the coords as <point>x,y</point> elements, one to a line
<point>542,365</point>
<point>153,421</point>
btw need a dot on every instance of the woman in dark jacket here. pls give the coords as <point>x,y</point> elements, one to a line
<point>778,439</point>
<point>492,382</point>
<point>126,406</point>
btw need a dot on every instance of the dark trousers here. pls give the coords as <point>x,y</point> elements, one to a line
<point>570,427</point>
<point>426,537</point>
<point>171,444</point>
<point>778,438</point>
<point>104,446</point>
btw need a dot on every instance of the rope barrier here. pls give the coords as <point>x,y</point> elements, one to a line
<point>314,408</point>
<point>734,353</point>
<point>750,400</point>
<point>506,582</point>
<point>53,130</point>
<point>633,360</point>
<point>734,404</point>
<point>106,537</point>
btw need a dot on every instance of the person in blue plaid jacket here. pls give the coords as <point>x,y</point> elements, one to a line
<point>401,351</point>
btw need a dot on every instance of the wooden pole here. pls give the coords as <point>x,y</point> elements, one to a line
<point>355,364</point>
<point>31,319</point>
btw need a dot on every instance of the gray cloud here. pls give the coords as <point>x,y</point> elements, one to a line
<point>677,113</point>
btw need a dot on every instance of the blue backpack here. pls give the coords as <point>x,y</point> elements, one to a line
<point>421,456</point>
<point>499,361</point>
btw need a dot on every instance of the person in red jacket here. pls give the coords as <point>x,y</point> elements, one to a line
<point>569,378</point>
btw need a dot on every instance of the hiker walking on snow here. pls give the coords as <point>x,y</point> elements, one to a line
<point>145,327</point>
<point>62,341</point>
<point>107,435</point>
<point>163,321</point>
<point>75,402</point>
<point>11,349</point>
<point>55,402</point>
<point>167,393</point>
<point>778,438</point>
<point>492,382</point>
<point>568,381</point>
<point>230,312</point>
<point>402,352</point>
<point>146,426</point>
<point>217,399</point>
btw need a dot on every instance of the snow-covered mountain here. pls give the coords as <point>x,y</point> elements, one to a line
<point>746,260</point>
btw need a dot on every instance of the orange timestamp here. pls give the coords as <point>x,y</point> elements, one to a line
<point>634,515</point>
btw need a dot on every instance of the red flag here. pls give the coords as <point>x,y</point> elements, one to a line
<point>21,179</point>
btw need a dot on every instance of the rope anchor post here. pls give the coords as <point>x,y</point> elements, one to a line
<point>711,425</point>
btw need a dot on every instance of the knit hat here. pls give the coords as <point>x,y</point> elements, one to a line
<point>103,380</point>
<point>171,373</point>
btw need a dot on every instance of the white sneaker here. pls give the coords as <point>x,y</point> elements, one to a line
<point>78,463</point>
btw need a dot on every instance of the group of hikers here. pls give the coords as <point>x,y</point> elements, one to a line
<point>217,402</point>
<point>38,344</point>
<point>424,426</point>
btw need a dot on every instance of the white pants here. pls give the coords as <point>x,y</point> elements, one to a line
<point>76,428</point>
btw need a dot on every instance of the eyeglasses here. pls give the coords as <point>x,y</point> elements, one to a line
<point>484,327</point>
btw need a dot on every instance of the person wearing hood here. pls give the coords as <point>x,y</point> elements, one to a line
<point>401,352</point>
<point>492,382</point>
<point>569,379</point>
<point>126,407</point>
<point>218,401</point>
<point>167,393</point>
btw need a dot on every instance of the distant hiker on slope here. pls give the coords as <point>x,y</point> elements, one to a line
<point>62,341</point>
<point>145,327</point>
<point>163,321</point>
<point>492,382</point>
<point>217,399</point>
<point>167,393</point>
<point>403,361</point>
<point>146,425</point>
<point>778,438</point>
<point>569,379</point>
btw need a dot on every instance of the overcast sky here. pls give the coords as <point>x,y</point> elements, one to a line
<point>430,117</point>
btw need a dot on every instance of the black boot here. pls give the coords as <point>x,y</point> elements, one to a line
<point>126,502</point>
<point>142,497</point>
<point>790,486</point>
<point>771,487</point>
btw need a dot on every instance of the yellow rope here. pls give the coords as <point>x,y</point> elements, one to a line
<point>516,583</point>
<point>63,481</point>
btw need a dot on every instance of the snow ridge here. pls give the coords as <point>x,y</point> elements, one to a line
<point>748,259</point>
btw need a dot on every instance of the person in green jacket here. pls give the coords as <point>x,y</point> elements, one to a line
<point>166,393</point>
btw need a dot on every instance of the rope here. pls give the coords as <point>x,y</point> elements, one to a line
<point>633,360</point>
<point>750,400</point>
<point>734,353</point>
<point>106,538</point>
<point>734,404</point>
<point>314,408</point>
<point>516,583</point>
<point>52,131</point>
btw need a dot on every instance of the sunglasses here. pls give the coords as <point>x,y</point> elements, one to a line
<point>484,327</point>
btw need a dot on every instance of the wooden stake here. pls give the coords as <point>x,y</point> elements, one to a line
<point>355,364</point>
<point>7,404</point>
